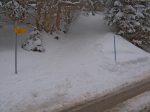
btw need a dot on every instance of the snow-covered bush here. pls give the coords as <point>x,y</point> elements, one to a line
<point>33,43</point>
<point>130,19</point>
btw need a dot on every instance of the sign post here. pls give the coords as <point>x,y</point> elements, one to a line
<point>16,45</point>
<point>17,31</point>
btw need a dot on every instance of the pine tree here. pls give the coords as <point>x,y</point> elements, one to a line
<point>130,19</point>
<point>14,10</point>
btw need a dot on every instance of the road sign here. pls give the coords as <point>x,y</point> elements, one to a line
<point>17,30</point>
<point>20,30</point>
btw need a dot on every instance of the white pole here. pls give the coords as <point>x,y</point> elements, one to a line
<point>115,51</point>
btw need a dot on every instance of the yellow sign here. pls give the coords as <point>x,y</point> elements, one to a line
<point>20,30</point>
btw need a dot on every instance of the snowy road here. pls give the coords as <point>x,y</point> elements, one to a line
<point>114,98</point>
<point>140,103</point>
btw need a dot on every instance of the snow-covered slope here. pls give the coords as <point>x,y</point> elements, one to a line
<point>78,66</point>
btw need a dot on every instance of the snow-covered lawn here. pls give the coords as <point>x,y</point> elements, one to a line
<point>140,103</point>
<point>78,66</point>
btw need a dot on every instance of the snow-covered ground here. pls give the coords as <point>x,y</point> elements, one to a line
<point>78,66</point>
<point>140,103</point>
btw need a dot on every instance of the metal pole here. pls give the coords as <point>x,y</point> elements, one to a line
<point>16,44</point>
<point>115,51</point>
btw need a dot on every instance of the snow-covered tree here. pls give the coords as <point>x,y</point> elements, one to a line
<point>130,18</point>
<point>53,15</point>
<point>14,10</point>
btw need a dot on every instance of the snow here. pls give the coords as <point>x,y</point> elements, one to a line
<point>78,66</point>
<point>33,5</point>
<point>140,15</point>
<point>130,8</point>
<point>1,4</point>
<point>140,103</point>
<point>117,3</point>
<point>118,16</point>
<point>69,2</point>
